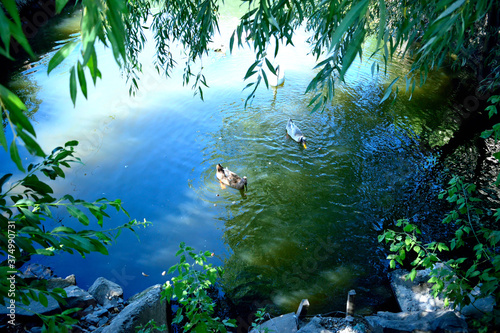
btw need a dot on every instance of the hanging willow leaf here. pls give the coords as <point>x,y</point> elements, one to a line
<point>60,4</point>
<point>388,90</point>
<point>356,12</point>
<point>381,27</point>
<point>5,35</point>
<point>14,156</point>
<point>451,9</point>
<point>60,55</point>
<point>72,85</point>
<point>31,145</point>
<point>81,79</point>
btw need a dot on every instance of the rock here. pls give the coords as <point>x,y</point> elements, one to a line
<point>78,298</point>
<point>478,306</point>
<point>106,292</point>
<point>58,282</point>
<point>337,325</point>
<point>436,321</point>
<point>314,326</point>
<point>32,309</point>
<point>141,309</point>
<point>414,296</point>
<point>87,311</point>
<point>100,312</point>
<point>37,271</point>
<point>284,323</point>
<point>91,319</point>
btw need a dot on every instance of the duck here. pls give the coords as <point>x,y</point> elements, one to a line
<point>295,133</point>
<point>278,79</point>
<point>229,178</point>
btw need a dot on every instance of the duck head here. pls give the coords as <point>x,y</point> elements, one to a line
<point>303,141</point>
<point>244,181</point>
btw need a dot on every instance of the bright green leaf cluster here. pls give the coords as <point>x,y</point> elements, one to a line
<point>459,277</point>
<point>190,289</point>
<point>26,205</point>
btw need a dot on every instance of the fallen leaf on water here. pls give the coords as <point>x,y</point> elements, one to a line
<point>163,273</point>
<point>144,274</point>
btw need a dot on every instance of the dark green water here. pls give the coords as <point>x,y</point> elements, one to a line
<point>308,224</point>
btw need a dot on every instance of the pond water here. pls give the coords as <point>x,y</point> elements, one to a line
<point>306,227</point>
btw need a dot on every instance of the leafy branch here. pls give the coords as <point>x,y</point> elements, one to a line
<point>190,289</point>
<point>458,277</point>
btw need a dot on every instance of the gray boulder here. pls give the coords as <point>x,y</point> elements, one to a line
<point>416,295</point>
<point>106,292</point>
<point>19,309</point>
<point>142,308</point>
<point>435,321</point>
<point>57,282</point>
<point>37,271</point>
<point>78,298</point>
<point>314,326</point>
<point>284,323</point>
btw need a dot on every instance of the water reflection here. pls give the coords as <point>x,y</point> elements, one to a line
<point>307,225</point>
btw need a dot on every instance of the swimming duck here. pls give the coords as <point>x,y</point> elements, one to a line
<point>295,133</point>
<point>229,178</point>
<point>278,79</point>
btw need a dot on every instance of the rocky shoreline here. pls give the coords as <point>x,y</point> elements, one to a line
<point>103,310</point>
<point>103,307</point>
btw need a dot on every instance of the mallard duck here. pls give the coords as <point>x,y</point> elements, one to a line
<point>295,133</point>
<point>229,178</point>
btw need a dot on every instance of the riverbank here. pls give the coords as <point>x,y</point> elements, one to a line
<point>103,309</point>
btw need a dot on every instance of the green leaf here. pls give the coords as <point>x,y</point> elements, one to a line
<point>14,156</point>
<point>92,66</point>
<point>60,4</point>
<point>388,90</point>
<point>492,110</point>
<point>11,7</point>
<point>409,228</point>
<point>72,143</point>
<point>381,27</point>
<point>4,178</point>
<point>412,274</point>
<point>356,12</point>
<point>72,85</point>
<point>270,66</point>
<point>353,49</point>
<point>31,145</point>
<point>60,55</point>
<point>3,139</point>
<point>250,70</point>
<point>81,79</point>
<point>36,185</point>
<point>443,247</point>
<point>451,9</point>
<point>99,247</point>
<point>18,34</point>
<point>75,212</point>
<point>30,216</point>
<point>63,230</point>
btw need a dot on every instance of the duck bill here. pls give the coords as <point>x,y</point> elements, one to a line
<point>304,144</point>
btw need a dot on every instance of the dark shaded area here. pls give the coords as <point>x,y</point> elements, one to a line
<point>35,15</point>
<point>472,120</point>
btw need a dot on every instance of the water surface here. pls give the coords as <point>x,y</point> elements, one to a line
<point>307,226</point>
